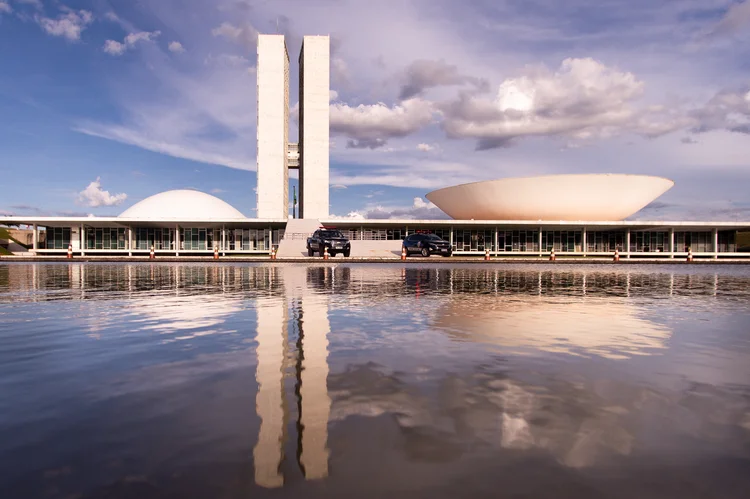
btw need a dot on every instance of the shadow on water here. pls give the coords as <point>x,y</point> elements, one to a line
<point>149,380</point>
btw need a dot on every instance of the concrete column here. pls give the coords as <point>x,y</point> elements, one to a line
<point>627,244</point>
<point>541,251</point>
<point>223,240</point>
<point>671,242</point>
<point>451,238</point>
<point>716,242</point>
<point>130,241</point>
<point>177,240</point>
<point>82,240</point>
<point>496,241</point>
<point>583,241</point>
<point>35,243</point>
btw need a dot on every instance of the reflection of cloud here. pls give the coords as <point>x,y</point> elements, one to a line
<point>185,317</point>
<point>595,327</point>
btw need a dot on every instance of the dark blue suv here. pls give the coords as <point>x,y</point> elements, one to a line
<point>426,245</point>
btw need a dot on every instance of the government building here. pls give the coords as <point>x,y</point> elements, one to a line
<point>575,215</point>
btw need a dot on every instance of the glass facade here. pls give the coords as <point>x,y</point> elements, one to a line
<point>518,240</point>
<point>605,242</point>
<point>160,239</point>
<point>463,239</point>
<point>649,242</point>
<point>562,240</point>
<point>58,237</point>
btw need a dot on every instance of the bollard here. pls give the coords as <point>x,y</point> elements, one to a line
<point>325,253</point>
<point>151,255</point>
<point>552,255</point>
<point>216,252</point>
<point>486,254</point>
<point>617,255</point>
<point>273,254</point>
<point>403,253</point>
<point>70,251</point>
<point>690,255</point>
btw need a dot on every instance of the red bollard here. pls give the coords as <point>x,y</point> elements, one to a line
<point>487,254</point>
<point>70,251</point>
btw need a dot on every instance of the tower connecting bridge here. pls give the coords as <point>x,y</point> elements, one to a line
<point>276,154</point>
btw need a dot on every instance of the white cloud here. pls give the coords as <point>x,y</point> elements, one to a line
<point>728,110</point>
<point>424,147</point>
<point>419,210</point>
<point>176,47</point>
<point>37,4</point>
<point>5,7</point>
<point>94,196</point>
<point>245,35</point>
<point>370,126</point>
<point>228,61</point>
<point>332,96</point>
<point>69,25</point>
<point>338,186</point>
<point>113,47</point>
<point>583,99</point>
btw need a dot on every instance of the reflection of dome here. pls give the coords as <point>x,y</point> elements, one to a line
<point>182,204</point>
<point>554,197</point>
<point>605,328</point>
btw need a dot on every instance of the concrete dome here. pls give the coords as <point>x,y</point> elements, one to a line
<point>590,197</point>
<point>182,204</point>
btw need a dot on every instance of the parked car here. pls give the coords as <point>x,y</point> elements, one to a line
<point>332,239</point>
<point>426,245</point>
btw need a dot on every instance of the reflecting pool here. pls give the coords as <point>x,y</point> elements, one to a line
<point>387,380</point>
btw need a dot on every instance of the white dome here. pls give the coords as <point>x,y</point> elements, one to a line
<point>182,204</point>
<point>555,197</point>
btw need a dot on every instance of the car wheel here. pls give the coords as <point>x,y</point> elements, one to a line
<point>347,253</point>
<point>448,254</point>
<point>425,252</point>
<point>310,251</point>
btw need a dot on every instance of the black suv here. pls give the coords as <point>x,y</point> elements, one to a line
<point>427,244</point>
<point>332,239</point>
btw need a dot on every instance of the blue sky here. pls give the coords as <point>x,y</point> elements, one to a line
<point>103,103</point>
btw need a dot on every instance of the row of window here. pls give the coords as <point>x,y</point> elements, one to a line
<point>199,239</point>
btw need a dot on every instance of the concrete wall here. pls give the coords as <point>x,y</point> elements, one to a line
<point>273,126</point>
<point>314,86</point>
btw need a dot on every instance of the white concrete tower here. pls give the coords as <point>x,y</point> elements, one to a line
<point>314,85</point>
<point>273,127</point>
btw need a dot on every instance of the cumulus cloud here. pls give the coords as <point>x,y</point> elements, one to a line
<point>5,7</point>
<point>688,140</point>
<point>338,186</point>
<point>370,126</point>
<point>113,47</point>
<point>419,210</point>
<point>94,196</point>
<point>583,99</point>
<point>735,20</point>
<point>68,25</point>
<point>176,47</point>
<point>244,35</point>
<point>424,147</point>
<point>424,74</point>
<point>727,110</point>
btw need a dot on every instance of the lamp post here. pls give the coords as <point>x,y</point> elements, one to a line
<point>294,209</point>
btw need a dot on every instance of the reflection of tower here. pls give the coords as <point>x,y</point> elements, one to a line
<point>312,387</point>
<point>270,402</point>
<point>311,390</point>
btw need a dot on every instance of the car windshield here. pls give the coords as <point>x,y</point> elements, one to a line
<point>330,233</point>
<point>433,237</point>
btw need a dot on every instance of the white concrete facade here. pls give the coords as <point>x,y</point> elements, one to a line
<point>273,127</point>
<point>314,97</point>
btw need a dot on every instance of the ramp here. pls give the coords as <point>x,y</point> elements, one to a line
<point>294,242</point>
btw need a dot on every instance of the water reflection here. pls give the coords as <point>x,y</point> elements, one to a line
<point>442,379</point>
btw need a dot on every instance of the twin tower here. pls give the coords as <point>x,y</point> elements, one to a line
<point>276,155</point>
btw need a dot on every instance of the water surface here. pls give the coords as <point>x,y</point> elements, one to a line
<point>354,380</point>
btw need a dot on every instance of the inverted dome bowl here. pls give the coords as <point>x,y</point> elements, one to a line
<point>592,197</point>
